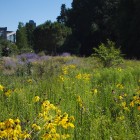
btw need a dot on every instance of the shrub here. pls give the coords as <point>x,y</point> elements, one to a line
<point>7,48</point>
<point>108,54</point>
<point>26,50</point>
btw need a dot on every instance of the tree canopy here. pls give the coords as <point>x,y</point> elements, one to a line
<point>84,26</point>
<point>49,37</point>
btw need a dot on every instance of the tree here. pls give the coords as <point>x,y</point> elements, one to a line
<point>50,37</point>
<point>21,37</point>
<point>63,15</point>
<point>128,27</point>
<point>29,31</point>
<point>92,22</point>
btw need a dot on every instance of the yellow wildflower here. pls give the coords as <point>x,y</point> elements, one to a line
<point>40,115</point>
<point>80,102</point>
<point>8,92</point>
<point>125,95</point>
<point>95,91</point>
<point>36,127</point>
<point>57,119</point>
<point>79,76</point>
<point>9,123</point>
<point>137,101</point>
<point>119,69</point>
<point>132,104</point>
<point>46,136</point>
<point>36,99</point>
<point>62,78</point>
<point>71,118</point>
<point>2,125</point>
<point>49,125</point>
<point>121,118</point>
<point>126,108</point>
<point>65,136</point>
<point>1,87</point>
<point>53,130</point>
<point>120,97</point>
<point>52,107</point>
<point>17,121</point>
<point>70,125</point>
<point>120,86</point>
<point>3,134</point>
<point>138,92</point>
<point>72,66</point>
<point>56,136</point>
<point>65,70</point>
<point>18,128</point>
<point>86,76</point>
<point>58,111</point>
<point>79,99</point>
<point>123,104</point>
<point>25,135</point>
<point>135,97</point>
<point>29,81</point>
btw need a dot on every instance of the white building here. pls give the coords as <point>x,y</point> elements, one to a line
<point>8,35</point>
<point>11,36</point>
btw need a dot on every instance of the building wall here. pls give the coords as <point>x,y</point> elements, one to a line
<point>8,35</point>
<point>3,31</point>
<point>11,37</point>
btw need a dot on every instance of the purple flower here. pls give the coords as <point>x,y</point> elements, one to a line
<point>27,57</point>
<point>9,62</point>
<point>44,58</point>
<point>65,54</point>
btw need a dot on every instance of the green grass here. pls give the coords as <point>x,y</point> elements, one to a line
<point>98,98</point>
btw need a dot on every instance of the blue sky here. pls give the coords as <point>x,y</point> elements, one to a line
<point>14,11</point>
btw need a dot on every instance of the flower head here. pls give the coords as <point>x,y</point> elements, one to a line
<point>36,99</point>
<point>1,87</point>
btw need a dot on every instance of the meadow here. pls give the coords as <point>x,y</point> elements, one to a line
<point>68,97</point>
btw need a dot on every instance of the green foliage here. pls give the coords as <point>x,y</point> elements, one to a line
<point>14,49</point>
<point>92,21</point>
<point>21,36</point>
<point>63,14</point>
<point>49,37</point>
<point>29,31</point>
<point>100,100</point>
<point>103,101</point>
<point>108,54</point>
<point>26,50</point>
<point>7,48</point>
<point>128,27</point>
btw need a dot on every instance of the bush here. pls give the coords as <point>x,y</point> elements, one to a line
<point>26,50</point>
<point>108,54</point>
<point>7,48</point>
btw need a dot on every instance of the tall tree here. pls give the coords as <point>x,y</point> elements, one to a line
<point>92,22</point>
<point>128,27</point>
<point>50,37</point>
<point>63,14</point>
<point>21,37</point>
<point>29,31</point>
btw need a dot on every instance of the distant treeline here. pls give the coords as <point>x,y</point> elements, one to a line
<point>84,26</point>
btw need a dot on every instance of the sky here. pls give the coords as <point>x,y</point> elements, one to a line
<point>14,11</point>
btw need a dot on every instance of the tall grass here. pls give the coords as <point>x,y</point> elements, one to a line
<point>105,102</point>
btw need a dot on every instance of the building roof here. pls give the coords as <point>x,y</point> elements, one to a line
<point>10,33</point>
